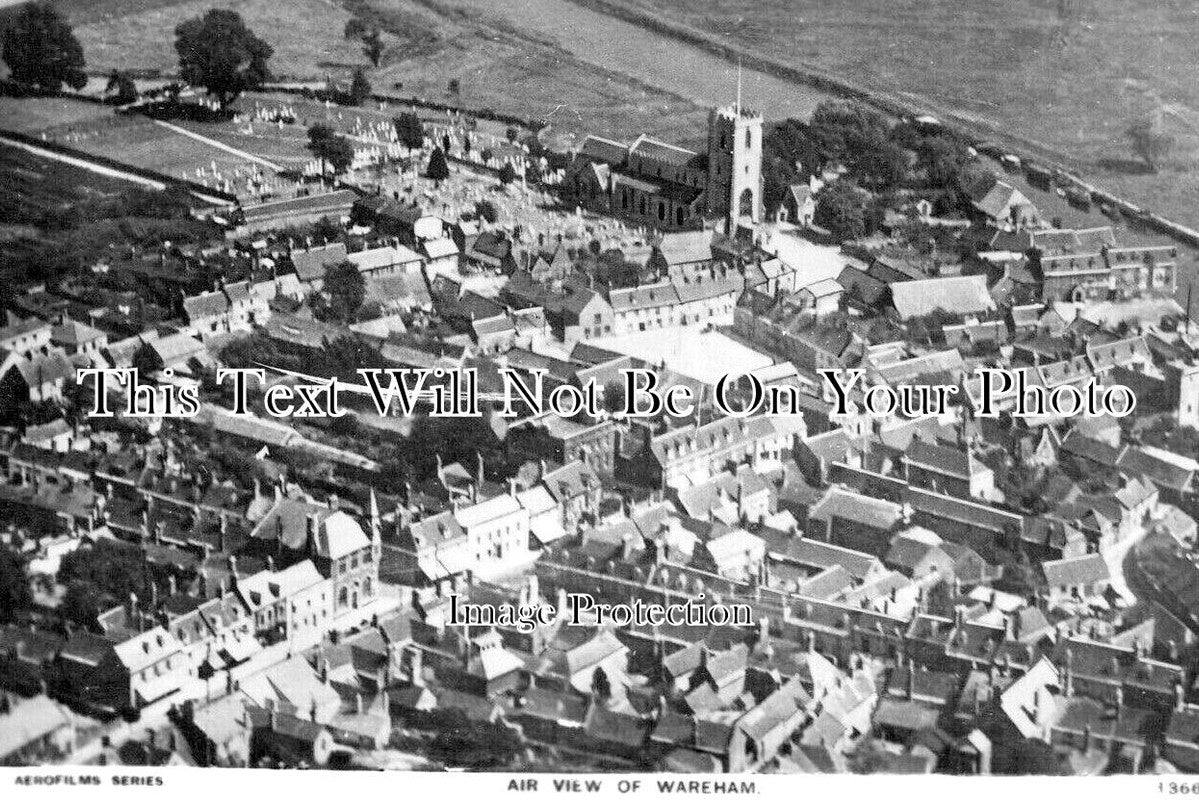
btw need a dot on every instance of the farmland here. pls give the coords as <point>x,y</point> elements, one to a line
<point>499,66</point>
<point>1069,87</point>
<point>33,185</point>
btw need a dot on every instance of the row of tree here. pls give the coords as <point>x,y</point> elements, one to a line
<point>216,51</point>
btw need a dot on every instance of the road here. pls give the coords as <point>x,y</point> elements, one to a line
<point>622,47</point>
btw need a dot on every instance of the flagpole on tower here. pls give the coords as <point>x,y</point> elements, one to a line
<point>738,86</point>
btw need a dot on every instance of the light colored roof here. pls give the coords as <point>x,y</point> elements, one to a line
<point>481,513</point>
<point>439,248</point>
<point>340,535</point>
<point>146,648</point>
<point>964,294</point>
<point>383,257</point>
<point>30,720</point>
<point>267,587</point>
<point>1082,570</point>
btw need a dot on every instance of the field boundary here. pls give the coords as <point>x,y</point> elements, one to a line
<point>110,167</point>
<point>972,132</point>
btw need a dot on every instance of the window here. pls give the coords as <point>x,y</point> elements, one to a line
<point>749,138</point>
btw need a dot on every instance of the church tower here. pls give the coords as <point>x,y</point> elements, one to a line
<point>735,165</point>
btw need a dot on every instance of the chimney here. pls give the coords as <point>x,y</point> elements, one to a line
<point>358,702</point>
<point>911,683</point>
<point>233,570</point>
<point>310,533</point>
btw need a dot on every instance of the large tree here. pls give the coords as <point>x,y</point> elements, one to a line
<point>842,211</point>
<point>360,87</point>
<point>439,168</point>
<point>331,148</point>
<point>121,89</point>
<point>42,51</point>
<point>217,51</point>
<point>409,130</point>
<point>1150,141</point>
<point>14,584</point>
<point>345,289</point>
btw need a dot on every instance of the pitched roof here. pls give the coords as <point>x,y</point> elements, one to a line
<point>1079,571</point>
<point>962,294</point>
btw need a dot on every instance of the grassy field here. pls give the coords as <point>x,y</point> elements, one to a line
<point>427,44</point>
<point>33,185</point>
<point>1072,86</point>
<point>306,34</point>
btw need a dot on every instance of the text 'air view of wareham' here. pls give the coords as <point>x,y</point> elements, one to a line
<point>802,387</point>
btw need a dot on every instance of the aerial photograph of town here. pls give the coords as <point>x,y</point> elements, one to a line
<point>703,388</point>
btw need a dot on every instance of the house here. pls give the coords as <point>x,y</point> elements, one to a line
<point>492,251</point>
<point>77,338</point>
<point>34,731</point>
<point>1077,578</point>
<point>288,738</point>
<point>441,255</point>
<point>947,469</point>
<point>228,308</point>
<point>962,295</point>
<point>393,259</point>
<point>797,207</point>
<point>1000,205</point>
<point>295,531</point>
<point>310,263</point>
<point>25,336</point>
<point>295,212</point>
<point>820,298</point>
<point>37,378</point>
<point>855,521</point>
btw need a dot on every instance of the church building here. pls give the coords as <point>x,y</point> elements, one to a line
<point>665,186</point>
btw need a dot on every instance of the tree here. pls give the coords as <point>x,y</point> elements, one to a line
<point>146,360</point>
<point>466,144</point>
<point>121,89</point>
<point>438,168</point>
<point>943,159</point>
<point>355,28</point>
<point>841,210</point>
<point>14,584</point>
<point>601,686</point>
<point>42,51</point>
<point>486,210</point>
<point>845,131</point>
<point>217,51</point>
<point>445,142</point>
<point>372,46</point>
<point>1150,141</point>
<point>883,165</point>
<point>409,130</point>
<point>360,87</point>
<point>112,567</point>
<point>81,603</point>
<point>331,148</point>
<point>507,174</point>
<point>345,289</point>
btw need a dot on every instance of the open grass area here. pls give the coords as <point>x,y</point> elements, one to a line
<point>427,43</point>
<point>33,185</point>
<point>306,34</point>
<point>1070,86</point>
